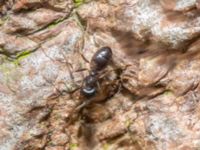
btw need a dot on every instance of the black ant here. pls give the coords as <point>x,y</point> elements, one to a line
<point>90,83</point>
<point>99,61</point>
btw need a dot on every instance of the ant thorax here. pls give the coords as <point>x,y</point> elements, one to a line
<point>100,83</point>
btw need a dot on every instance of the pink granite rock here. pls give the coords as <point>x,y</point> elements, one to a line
<point>147,97</point>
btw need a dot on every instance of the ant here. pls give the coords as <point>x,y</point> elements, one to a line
<point>89,89</point>
<point>99,61</point>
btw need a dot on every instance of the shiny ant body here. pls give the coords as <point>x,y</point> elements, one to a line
<point>99,61</point>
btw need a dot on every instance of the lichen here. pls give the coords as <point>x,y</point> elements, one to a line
<point>7,70</point>
<point>73,146</point>
<point>106,146</point>
<point>128,122</point>
<point>167,92</point>
<point>78,2</point>
<point>3,20</point>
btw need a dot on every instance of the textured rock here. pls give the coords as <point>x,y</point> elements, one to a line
<point>31,21</point>
<point>146,19</point>
<point>147,97</point>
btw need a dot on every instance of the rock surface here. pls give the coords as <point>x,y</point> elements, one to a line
<point>148,96</point>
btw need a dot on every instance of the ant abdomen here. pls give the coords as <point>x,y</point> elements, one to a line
<point>101,59</point>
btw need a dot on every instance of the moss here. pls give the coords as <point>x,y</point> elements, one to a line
<point>14,58</point>
<point>73,146</point>
<point>53,24</point>
<point>21,56</point>
<point>78,2</point>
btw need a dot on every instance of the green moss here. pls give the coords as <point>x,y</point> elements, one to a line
<point>53,24</point>
<point>73,146</point>
<point>78,2</point>
<point>6,57</point>
<point>21,56</point>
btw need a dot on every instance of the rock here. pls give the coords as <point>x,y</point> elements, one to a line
<point>59,138</point>
<point>147,97</point>
<point>153,21</point>
<point>11,44</point>
<point>178,5</point>
<point>31,21</point>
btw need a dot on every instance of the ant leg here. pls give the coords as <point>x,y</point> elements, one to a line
<point>69,66</point>
<point>82,46</point>
<point>54,95</point>
<point>105,73</point>
<point>81,106</point>
<point>84,58</point>
<point>98,85</point>
<point>119,89</point>
<point>82,69</point>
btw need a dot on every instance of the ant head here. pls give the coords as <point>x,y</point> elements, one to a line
<point>88,91</point>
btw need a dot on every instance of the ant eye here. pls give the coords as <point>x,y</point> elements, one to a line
<point>88,91</point>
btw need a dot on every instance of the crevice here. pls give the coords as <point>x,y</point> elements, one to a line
<point>54,23</point>
<point>14,56</point>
